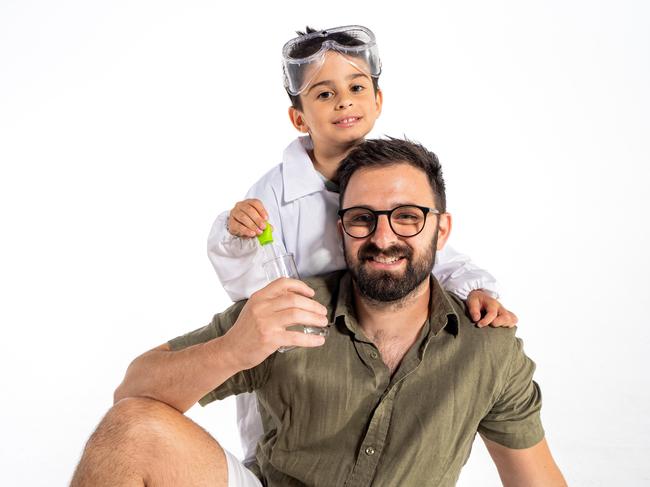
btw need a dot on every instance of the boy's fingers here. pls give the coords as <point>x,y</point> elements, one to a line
<point>475,312</point>
<point>259,207</point>
<point>246,222</point>
<point>474,307</point>
<point>491,311</point>
<point>239,230</point>
<point>255,215</point>
<point>505,319</point>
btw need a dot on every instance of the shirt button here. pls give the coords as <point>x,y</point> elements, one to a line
<point>374,355</point>
<point>370,451</point>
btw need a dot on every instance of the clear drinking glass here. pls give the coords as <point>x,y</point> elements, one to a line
<point>285,266</point>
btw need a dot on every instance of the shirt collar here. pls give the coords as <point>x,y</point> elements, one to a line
<point>441,311</point>
<point>298,173</point>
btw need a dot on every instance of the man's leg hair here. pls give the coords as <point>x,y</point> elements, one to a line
<point>143,442</point>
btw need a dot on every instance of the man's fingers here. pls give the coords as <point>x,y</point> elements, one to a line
<point>293,300</point>
<point>285,285</point>
<point>296,316</point>
<point>301,339</point>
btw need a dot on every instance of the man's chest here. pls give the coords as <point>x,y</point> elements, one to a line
<point>343,391</point>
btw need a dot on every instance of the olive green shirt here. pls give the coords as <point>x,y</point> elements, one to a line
<point>334,416</point>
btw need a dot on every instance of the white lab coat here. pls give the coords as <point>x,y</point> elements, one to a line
<point>304,218</point>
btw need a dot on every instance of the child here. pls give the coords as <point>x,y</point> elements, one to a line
<point>331,77</point>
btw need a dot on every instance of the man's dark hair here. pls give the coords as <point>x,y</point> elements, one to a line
<point>388,152</point>
<point>307,48</point>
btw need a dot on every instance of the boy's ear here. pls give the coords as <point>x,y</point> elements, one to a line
<point>379,100</point>
<point>298,120</point>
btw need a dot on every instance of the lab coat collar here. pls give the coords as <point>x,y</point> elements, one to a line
<point>298,173</point>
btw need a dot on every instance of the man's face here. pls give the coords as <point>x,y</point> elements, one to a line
<point>340,106</point>
<point>387,267</point>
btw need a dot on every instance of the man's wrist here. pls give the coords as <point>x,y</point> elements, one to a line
<point>223,357</point>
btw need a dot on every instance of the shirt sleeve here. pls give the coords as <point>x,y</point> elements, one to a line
<point>244,381</point>
<point>514,419</point>
<point>238,261</point>
<point>459,275</point>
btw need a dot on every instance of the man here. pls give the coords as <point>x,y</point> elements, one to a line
<point>393,396</point>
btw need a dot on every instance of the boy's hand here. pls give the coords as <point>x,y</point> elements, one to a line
<point>247,218</point>
<point>261,327</point>
<point>485,310</point>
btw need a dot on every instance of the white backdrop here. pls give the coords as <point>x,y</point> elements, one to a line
<point>126,126</point>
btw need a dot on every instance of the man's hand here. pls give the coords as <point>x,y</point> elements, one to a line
<point>247,218</point>
<point>485,310</point>
<point>262,324</point>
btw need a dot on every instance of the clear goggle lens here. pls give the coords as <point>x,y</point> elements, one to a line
<point>303,56</point>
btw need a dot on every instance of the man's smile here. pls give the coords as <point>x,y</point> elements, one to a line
<point>385,263</point>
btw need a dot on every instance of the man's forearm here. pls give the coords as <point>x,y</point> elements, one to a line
<point>529,467</point>
<point>178,378</point>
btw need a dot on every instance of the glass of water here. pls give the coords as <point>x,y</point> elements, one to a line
<point>285,266</point>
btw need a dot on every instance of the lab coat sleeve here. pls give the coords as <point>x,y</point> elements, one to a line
<point>459,275</point>
<point>239,261</point>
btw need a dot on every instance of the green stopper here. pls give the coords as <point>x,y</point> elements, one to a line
<point>266,237</point>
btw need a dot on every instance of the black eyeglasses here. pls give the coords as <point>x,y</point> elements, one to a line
<point>405,220</point>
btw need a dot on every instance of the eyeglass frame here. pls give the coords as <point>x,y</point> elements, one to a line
<point>377,213</point>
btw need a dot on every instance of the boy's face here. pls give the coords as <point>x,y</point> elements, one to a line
<point>340,106</point>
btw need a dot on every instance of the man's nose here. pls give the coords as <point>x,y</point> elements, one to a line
<point>383,236</point>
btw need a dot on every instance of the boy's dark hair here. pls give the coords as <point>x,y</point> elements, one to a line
<point>311,46</point>
<point>388,152</point>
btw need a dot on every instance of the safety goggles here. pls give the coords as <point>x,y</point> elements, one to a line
<point>303,56</point>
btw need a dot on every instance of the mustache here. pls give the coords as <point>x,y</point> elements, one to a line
<point>370,250</point>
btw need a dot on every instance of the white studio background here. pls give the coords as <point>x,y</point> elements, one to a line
<point>127,126</point>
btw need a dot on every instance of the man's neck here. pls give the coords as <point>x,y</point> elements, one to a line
<point>393,327</point>
<point>326,160</point>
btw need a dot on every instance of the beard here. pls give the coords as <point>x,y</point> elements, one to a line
<point>388,286</point>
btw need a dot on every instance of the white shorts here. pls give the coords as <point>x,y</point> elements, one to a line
<point>238,474</point>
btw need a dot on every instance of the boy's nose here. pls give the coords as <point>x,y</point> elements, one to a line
<point>344,103</point>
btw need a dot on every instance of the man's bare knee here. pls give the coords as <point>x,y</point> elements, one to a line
<point>145,438</point>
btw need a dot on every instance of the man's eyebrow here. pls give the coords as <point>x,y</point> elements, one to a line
<point>386,206</point>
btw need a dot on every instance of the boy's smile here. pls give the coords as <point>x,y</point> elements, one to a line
<point>347,121</point>
<point>339,107</point>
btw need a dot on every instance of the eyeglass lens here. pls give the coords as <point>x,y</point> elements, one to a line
<point>405,221</point>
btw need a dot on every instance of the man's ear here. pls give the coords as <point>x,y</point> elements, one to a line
<point>298,120</point>
<point>339,225</point>
<point>444,229</point>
